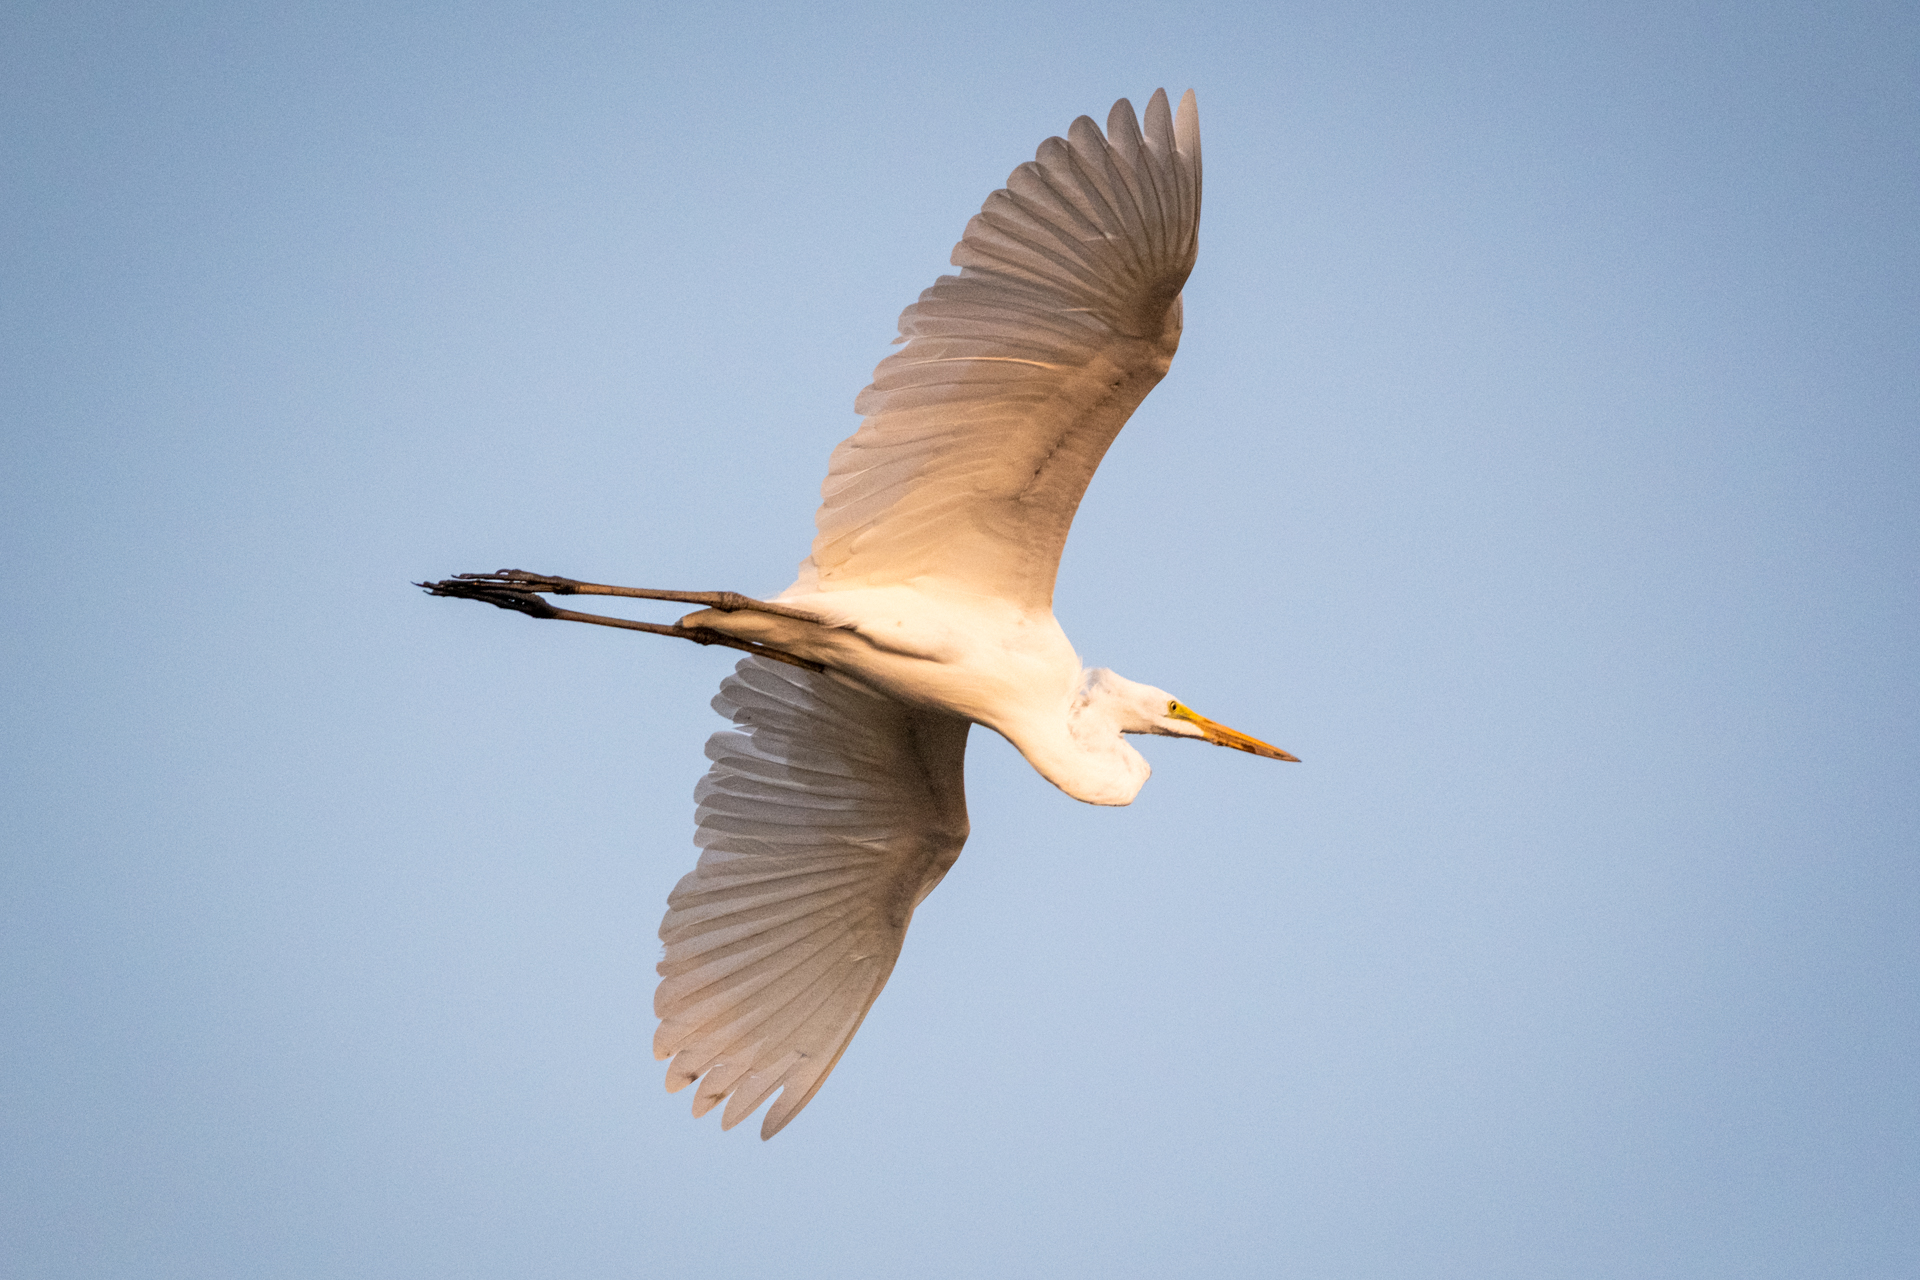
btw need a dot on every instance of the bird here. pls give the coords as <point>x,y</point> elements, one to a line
<point>835,802</point>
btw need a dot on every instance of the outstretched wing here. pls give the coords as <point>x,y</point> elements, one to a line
<point>825,819</point>
<point>982,433</point>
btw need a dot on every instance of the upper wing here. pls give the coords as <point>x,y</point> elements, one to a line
<point>823,824</point>
<point>982,433</point>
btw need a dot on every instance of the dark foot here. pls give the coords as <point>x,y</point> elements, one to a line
<point>504,589</point>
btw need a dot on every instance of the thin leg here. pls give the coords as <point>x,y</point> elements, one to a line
<point>519,580</point>
<point>520,591</point>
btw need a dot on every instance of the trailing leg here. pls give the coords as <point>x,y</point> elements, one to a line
<point>521,592</point>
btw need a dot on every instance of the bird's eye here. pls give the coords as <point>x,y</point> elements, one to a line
<point>1172,707</point>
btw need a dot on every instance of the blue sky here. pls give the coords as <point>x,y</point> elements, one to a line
<point>1539,465</point>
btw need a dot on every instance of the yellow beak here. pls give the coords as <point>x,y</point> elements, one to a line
<point>1220,735</point>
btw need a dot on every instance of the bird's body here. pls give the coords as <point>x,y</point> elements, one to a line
<point>836,803</point>
<point>983,660</point>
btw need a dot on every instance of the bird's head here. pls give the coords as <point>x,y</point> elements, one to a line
<point>1132,707</point>
<point>1182,721</point>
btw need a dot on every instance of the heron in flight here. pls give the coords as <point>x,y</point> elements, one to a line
<point>835,804</point>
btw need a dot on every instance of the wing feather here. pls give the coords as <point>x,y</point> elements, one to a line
<point>829,813</point>
<point>982,432</point>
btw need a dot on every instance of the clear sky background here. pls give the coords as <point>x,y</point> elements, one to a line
<point>1540,465</point>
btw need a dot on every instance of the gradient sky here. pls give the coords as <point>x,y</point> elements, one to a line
<point>1540,465</point>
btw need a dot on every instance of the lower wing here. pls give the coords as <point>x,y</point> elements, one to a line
<point>828,814</point>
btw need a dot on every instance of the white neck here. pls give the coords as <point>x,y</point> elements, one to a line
<point>1079,747</point>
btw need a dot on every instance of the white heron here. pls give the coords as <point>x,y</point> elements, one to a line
<point>926,607</point>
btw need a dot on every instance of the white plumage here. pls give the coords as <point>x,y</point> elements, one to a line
<point>835,811</point>
<point>981,435</point>
<point>836,803</point>
<point>826,818</point>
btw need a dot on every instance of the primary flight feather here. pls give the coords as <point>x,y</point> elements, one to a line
<point>836,803</point>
